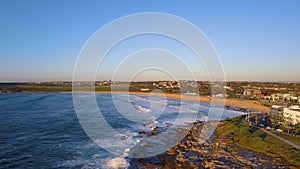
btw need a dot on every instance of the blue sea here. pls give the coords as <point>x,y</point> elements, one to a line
<point>43,130</point>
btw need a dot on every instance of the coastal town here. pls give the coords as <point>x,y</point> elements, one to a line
<point>279,99</point>
<point>150,84</point>
<point>267,134</point>
<point>266,93</point>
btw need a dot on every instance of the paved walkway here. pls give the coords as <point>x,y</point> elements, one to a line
<point>282,139</point>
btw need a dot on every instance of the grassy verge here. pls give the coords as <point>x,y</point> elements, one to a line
<point>241,134</point>
<point>292,139</point>
<point>29,88</point>
<point>43,88</point>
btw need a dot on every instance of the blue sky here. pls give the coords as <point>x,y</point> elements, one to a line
<point>256,40</point>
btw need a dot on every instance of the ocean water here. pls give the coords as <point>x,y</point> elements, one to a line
<point>43,131</point>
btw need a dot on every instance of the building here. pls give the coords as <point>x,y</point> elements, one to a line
<point>145,90</point>
<point>283,97</point>
<point>259,96</point>
<point>251,92</point>
<point>292,115</point>
<point>228,88</point>
<point>276,112</point>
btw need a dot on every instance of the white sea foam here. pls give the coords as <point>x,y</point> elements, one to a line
<point>202,118</point>
<point>183,109</point>
<point>152,124</point>
<point>126,152</point>
<point>142,109</point>
<point>152,102</point>
<point>123,144</point>
<point>116,163</point>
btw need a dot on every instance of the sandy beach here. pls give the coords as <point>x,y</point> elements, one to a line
<point>242,104</point>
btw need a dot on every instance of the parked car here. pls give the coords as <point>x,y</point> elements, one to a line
<point>268,128</point>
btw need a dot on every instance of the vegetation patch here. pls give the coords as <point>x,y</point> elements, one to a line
<point>240,134</point>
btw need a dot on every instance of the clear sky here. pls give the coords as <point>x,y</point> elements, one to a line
<point>256,40</point>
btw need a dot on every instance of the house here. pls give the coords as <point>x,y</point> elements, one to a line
<point>259,96</point>
<point>228,88</point>
<point>145,89</point>
<point>221,95</point>
<point>267,97</point>
<point>283,97</point>
<point>190,93</point>
<point>251,92</point>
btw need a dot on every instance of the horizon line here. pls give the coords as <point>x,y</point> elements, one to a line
<point>253,81</point>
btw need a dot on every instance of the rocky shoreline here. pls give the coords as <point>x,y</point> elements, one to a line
<point>213,153</point>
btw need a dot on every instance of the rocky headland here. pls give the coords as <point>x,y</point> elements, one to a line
<point>221,150</point>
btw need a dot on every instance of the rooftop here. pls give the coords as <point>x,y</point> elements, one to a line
<point>276,106</point>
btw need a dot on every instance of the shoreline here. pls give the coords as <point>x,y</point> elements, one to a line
<point>241,104</point>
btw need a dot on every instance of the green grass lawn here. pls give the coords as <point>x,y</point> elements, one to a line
<point>31,88</point>
<point>292,139</point>
<point>43,88</point>
<point>241,134</point>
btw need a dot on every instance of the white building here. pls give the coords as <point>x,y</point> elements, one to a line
<point>145,90</point>
<point>283,97</point>
<point>292,114</point>
<point>276,112</point>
